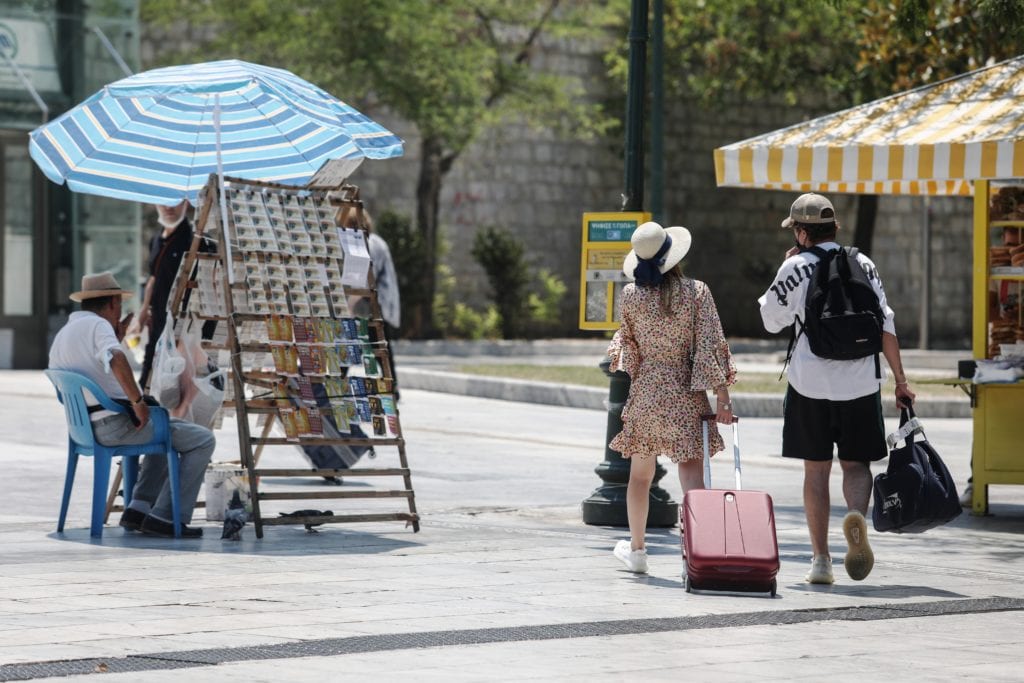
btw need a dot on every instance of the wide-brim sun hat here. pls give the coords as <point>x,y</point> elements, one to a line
<point>97,285</point>
<point>647,241</point>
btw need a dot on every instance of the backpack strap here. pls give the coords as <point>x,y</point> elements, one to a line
<point>794,334</point>
<point>819,252</point>
<point>852,253</point>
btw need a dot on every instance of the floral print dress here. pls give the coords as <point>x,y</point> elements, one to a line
<point>671,362</point>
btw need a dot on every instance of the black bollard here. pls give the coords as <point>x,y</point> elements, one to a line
<point>606,506</point>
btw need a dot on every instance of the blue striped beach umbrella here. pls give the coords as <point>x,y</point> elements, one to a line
<point>157,136</point>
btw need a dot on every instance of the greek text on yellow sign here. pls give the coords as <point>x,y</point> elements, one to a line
<point>605,245</point>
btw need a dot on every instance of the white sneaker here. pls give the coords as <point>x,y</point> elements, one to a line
<point>635,560</point>
<point>859,559</point>
<point>821,570</point>
<point>967,497</point>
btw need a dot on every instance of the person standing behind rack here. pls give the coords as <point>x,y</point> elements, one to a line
<point>384,275</point>
<point>386,282</point>
<point>166,250</point>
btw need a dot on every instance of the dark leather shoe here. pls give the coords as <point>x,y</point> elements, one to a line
<point>131,519</point>
<point>151,526</point>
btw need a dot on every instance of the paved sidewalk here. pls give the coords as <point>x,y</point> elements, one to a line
<point>503,582</point>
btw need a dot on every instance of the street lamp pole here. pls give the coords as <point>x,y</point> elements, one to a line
<point>606,506</point>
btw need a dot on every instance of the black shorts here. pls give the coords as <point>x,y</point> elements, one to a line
<point>812,425</point>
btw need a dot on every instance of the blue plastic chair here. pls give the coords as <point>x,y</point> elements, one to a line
<point>81,441</point>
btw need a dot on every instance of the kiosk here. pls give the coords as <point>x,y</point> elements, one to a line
<point>958,137</point>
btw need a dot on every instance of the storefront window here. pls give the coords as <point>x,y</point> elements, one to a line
<point>110,238</point>
<point>18,233</point>
<point>110,229</point>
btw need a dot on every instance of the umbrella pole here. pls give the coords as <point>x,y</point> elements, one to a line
<point>220,187</point>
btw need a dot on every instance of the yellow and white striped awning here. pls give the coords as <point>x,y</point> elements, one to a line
<point>931,140</point>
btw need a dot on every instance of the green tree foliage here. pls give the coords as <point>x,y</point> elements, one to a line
<point>827,55</point>
<point>836,53</point>
<point>451,68</point>
<point>905,44</point>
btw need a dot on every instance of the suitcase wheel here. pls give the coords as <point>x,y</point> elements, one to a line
<point>774,587</point>
<point>687,584</point>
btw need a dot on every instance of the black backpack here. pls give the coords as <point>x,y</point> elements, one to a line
<point>842,317</point>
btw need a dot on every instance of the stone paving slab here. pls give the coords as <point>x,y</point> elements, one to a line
<point>501,547</point>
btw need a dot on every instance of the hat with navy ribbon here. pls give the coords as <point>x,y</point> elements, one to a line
<point>656,250</point>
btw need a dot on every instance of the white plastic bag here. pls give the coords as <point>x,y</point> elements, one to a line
<point>222,480</point>
<point>202,384</point>
<point>207,402</point>
<point>168,366</point>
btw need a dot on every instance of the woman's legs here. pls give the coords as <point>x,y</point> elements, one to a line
<point>638,492</point>
<point>691,474</point>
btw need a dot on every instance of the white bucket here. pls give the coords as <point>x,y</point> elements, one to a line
<point>220,482</point>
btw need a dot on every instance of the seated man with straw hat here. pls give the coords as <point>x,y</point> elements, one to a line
<point>90,344</point>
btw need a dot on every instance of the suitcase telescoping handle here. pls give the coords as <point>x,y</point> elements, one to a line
<point>704,420</point>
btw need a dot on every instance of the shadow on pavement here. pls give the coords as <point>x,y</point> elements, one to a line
<point>281,541</point>
<point>893,592</point>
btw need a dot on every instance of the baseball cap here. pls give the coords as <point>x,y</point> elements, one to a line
<point>810,208</point>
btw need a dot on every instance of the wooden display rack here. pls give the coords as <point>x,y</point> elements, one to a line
<point>253,283</point>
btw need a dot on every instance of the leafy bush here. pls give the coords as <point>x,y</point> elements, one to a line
<point>457,319</point>
<point>516,312</point>
<point>502,257</point>
<point>546,307</point>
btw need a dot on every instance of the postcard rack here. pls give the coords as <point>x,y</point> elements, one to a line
<point>281,279</point>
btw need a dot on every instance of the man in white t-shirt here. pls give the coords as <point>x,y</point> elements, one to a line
<point>831,402</point>
<point>90,344</point>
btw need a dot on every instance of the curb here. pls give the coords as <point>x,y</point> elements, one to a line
<point>593,398</point>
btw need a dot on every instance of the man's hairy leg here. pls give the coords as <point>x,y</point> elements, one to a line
<point>817,503</point>
<point>856,485</point>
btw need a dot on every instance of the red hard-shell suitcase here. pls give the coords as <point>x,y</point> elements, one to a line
<point>729,534</point>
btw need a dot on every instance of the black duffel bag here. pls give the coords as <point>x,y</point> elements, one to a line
<point>916,492</point>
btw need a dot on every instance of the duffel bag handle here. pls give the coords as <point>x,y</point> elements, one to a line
<point>909,426</point>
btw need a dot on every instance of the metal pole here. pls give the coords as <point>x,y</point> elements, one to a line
<point>633,197</point>
<point>606,506</point>
<point>114,54</point>
<point>27,84</point>
<point>657,111</point>
<point>926,273</point>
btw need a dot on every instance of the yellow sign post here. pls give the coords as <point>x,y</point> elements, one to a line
<point>605,245</point>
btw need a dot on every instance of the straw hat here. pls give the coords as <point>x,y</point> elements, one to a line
<point>647,242</point>
<point>97,285</point>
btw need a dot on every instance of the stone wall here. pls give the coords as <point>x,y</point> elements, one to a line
<point>537,184</point>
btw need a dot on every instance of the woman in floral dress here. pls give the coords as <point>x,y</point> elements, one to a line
<point>671,345</point>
